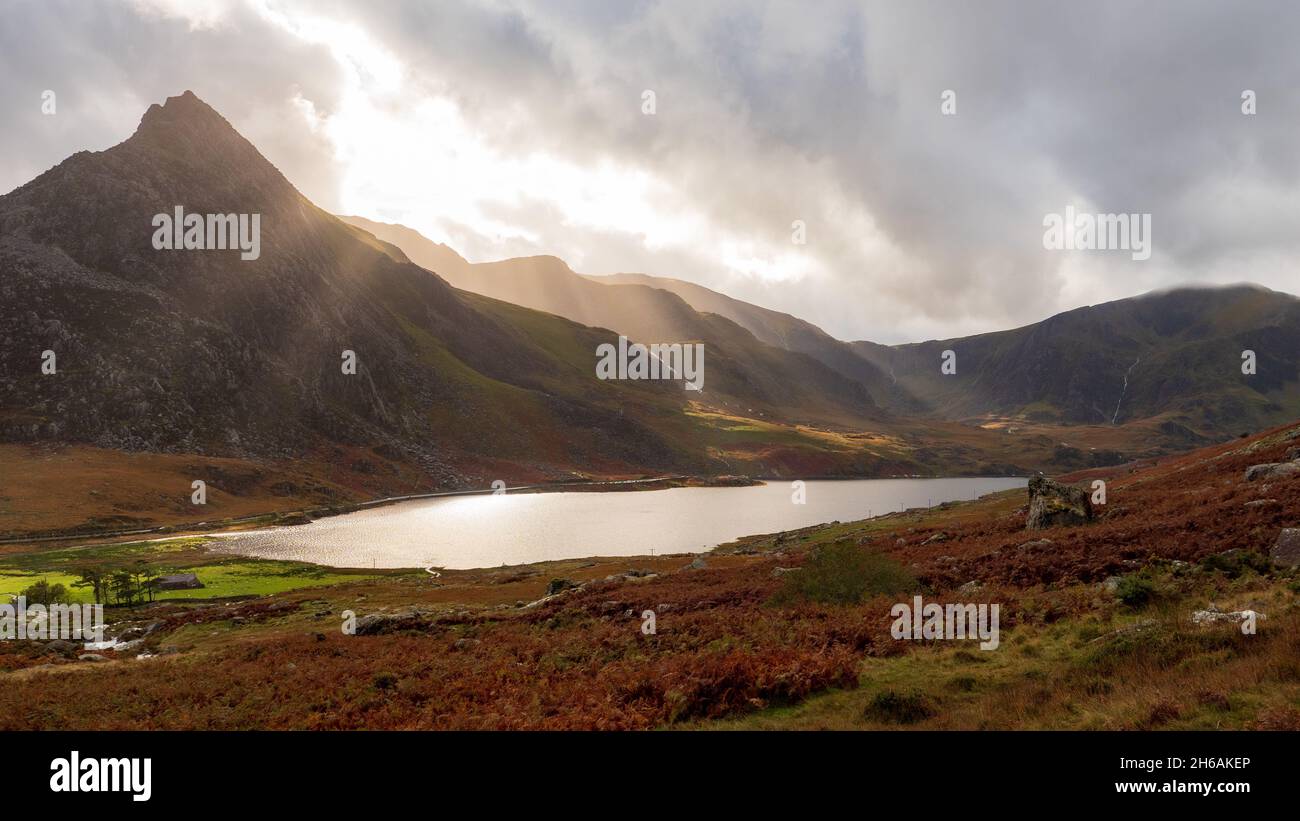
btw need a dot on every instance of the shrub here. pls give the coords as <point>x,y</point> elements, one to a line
<point>899,708</point>
<point>1162,713</point>
<point>1233,563</point>
<point>1135,590</point>
<point>1214,699</point>
<point>843,573</point>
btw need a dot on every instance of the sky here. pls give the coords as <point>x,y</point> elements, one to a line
<point>916,148</point>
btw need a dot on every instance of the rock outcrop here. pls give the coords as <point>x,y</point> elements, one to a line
<point>1286,550</point>
<point>1272,470</point>
<point>1052,504</point>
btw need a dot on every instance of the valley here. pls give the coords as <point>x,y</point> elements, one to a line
<point>456,375</point>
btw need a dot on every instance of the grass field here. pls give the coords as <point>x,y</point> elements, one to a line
<point>222,575</point>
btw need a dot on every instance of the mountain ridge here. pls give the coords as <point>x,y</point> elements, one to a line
<point>1197,401</point>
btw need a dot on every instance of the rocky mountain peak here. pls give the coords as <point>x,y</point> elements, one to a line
<point>186,132</point>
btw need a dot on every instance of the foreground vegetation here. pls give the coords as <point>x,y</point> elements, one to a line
<point>784,630</point>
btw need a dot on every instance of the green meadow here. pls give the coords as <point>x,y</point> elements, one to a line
<point>222,575</point>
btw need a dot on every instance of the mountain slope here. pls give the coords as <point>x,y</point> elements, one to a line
<point>201,351</point>
<point>1172,358</point>
<point>783,331</point>
<point>1173,355</point>
<point>1179,350</point>
<point>744,374</point>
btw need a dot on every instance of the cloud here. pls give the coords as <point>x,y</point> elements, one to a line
<point>510,127</point>
<point>108,62</point>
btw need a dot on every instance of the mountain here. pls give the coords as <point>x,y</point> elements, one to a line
<point>744,373</point>
<point>202,351</point>
<point>1173,355</point>
<point>1170,358</point>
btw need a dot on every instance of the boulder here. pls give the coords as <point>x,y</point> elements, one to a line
<point>91,657</point>
<point>1272,470</point>
<point>62,647</point>
<point>374,624</point>
<point>1286,550</point>
<point>139,631</point>
<point>1052,504</point>
<point>1213,615</point>
<point>545,599</point>
<point>1034,544</point>
<point>558,585</point>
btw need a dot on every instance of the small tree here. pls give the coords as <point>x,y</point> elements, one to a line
<point>45,593</point>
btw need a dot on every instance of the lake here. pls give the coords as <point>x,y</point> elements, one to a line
<point>462,532</point>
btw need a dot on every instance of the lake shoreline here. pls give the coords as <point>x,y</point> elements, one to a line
<point>453,531</point>
<point>288,518</point>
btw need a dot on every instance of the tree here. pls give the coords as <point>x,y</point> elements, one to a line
<point>45,593</point>
<point>122,588</point>
<point>145,579</point>
<point>131,587</point>
<point>95,579</point>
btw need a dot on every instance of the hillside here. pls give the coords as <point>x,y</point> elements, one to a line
<point>1180,351</point>
<point>1170,360</point>
<point>783,331</point>
<point>1175,356</point>
<point>201,351</point>
<point>1096,627</point>
<point>746,374</point>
